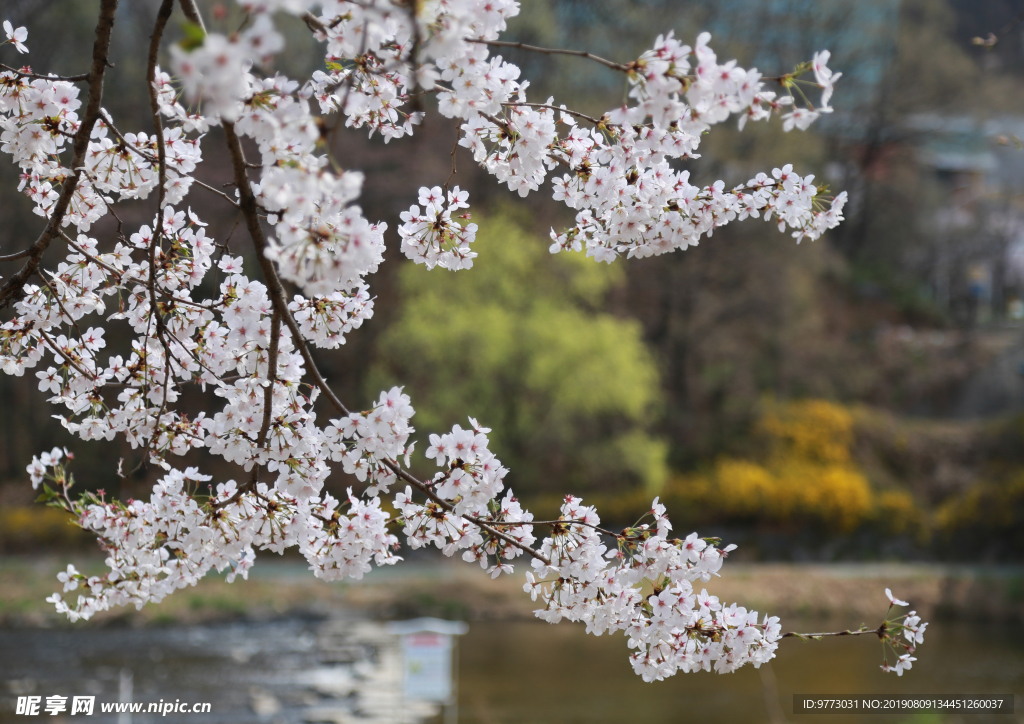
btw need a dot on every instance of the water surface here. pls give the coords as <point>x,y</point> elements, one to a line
<point>297,670</point>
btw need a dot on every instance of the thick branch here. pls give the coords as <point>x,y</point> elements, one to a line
<point>12,287</point>
<point>189,9</point>
<point>268,392</point>
<point>250,210</point>
<point>277,297</point>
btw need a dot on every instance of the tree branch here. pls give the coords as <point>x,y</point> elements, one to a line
<point>879,632</point>
<point>250,210</point>
<point>190,11</point>
<point>162,17</point>
<point>268,392</point>
<point>624,67</point>
<point>13,286</point>
<point>19,255</point>
<point>277,298</point>
<point>34,76</point>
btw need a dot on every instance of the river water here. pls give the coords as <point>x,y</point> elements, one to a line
<point>349,670</point>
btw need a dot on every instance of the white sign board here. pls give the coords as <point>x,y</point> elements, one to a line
<point>428,666</point>
<point>427,651</point>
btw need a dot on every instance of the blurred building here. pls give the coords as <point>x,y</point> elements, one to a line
<point>973,170</point>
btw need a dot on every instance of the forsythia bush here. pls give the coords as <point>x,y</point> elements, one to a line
<point>990,512</point>
<point>24,528</point>
<point>807,474</point>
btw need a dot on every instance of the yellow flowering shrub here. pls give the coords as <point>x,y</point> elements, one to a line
<point>791,488</point>
<point>993,506</point>
<point>807,473</point>
<point>27,528</point>
<point>899,513</point>
<point>811,430</point>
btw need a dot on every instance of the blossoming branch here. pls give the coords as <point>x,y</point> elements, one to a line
<point>251,342</point>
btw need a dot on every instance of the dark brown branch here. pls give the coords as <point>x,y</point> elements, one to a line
<point>879,632</point>
<point>34,76</point>
<point>574,114</point>
<point>268,393</point>
<point>19,255</point>
<point>277,298</point>
<point>190,11</point>
<point>250,210</point>
<point>163,15</point>
<point>624,67</point>
<point>13,286</point>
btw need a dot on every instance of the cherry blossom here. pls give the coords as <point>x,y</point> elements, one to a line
<point>432,237</point>
<point>16,37</point>
<point>195,319</point>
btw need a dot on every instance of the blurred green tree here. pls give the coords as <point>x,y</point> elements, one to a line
<point>567,388</point>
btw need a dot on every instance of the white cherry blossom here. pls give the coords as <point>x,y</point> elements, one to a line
<point>195,318</point>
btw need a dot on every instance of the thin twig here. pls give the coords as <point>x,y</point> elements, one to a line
<point>108,122</point>
<point>216,191</point>
<point>574,114</point>
<point>60,304</point>
<point>164,14</point>
<point>991,39</point>
<point>455,147</point>
<point>268,393</point>
<point>67,358</point>
<point>879,632</point>
<point>122,277</point>
<point>624,67</point>
<point>566,522</point>
<point>34,76</point>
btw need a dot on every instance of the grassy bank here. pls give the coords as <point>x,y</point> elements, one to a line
<point>851,592</point>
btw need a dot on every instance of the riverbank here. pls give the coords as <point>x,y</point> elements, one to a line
<point>427,586</point>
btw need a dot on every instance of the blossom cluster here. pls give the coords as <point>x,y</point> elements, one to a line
<point>38,118</point>
<point>900,636</point>
<point>433,238</point>
<point>462,511</point>
<point>673,628</point>
<point>169,542</point>
<point>365,442</point>
<point>194,318</point>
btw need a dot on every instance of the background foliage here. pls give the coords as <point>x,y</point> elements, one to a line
<point>857,395</point>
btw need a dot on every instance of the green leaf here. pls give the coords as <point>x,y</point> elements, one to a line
<point>194,36</point>
<point>47,495</point>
